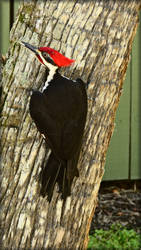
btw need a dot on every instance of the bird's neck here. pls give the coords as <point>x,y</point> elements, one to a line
<point>52,71</point>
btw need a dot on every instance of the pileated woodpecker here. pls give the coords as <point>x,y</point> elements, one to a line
<point>59,112</point>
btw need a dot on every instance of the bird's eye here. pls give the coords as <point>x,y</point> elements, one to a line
<point>47,57</point>
<point>45,54</point>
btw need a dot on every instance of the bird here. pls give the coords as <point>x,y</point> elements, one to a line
<point>59,112</point>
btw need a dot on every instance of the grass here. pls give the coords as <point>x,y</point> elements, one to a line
<point>116,238</point>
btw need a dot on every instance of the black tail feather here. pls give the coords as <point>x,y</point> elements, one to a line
<point>48,176</point>
<point>61,172</point>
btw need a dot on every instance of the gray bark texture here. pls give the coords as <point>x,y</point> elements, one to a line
<point>98,35</point>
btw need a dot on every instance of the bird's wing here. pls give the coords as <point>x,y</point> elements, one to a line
<point>43,120</point>
<point>60,115</point>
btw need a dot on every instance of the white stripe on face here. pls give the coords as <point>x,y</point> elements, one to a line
<point>52,71</point>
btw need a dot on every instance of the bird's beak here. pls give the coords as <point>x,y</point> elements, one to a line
<point>29,46</point>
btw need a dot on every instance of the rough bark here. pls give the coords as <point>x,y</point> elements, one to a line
<point>99,35</point>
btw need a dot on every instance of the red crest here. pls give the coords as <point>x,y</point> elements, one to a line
<point>59,59</point>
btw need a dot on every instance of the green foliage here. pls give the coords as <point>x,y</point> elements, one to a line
<point>116,238</point>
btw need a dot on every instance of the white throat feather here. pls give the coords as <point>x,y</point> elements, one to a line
<point>52,71</point>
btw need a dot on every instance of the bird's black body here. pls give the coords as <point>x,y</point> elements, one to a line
<point>60,114</point>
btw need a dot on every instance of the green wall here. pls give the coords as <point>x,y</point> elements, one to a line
<point>123,159</point>
<point>5,23</point>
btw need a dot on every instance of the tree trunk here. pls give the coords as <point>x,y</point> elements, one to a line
<point>98,35</point>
